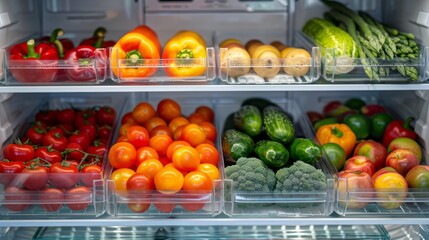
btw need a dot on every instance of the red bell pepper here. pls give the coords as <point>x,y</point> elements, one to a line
<point>397,129</point>
<point>65,46</point>
<point>99,32</point>
<point>25,64</point>
<point>81,62</point>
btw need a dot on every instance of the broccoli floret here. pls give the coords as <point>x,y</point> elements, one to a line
<point>300,177</point>
<point>251,175</point>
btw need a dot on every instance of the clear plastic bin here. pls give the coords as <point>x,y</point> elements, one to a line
<point>294,204</point>
<point>155,203</point>
<point>192,70</point>
<point>48,72</point>
<point>62,194</point>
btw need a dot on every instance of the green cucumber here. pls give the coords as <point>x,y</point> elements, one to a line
<point>272,153</point>
<point>277,125</point>
<point>248,120</point>
<point>235,145</point>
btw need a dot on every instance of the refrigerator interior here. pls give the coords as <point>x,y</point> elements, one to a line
<point>215,20</point>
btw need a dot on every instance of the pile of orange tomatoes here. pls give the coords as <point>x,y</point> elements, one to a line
<point>161,152</point>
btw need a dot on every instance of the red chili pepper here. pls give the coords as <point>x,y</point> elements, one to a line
<point>397,129</point>
<point>63,48</point>
<point>82,61</point>
<point>33,70</point>
<point>100,31</point>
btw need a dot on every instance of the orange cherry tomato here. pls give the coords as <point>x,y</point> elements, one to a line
<point>139,207</point>
<point>196,118</point>
<point>207,112</point>
<point>127,118</point>
<point>177,134</point>
<point>138,136</point>
<point>145,153</point>
<point>120,177</point>
<point>208,153</point>
<point>160,143</point>
<point>177,122</point>
<point>197,181</point>
<point>143,112</point>
<point>174,146</point>
<point>161,130</point>
<point>122,139</point>
<point>123,129</point>
<point>122,155</point>
<point>153,123</point>
<point>150,167</point>
<point>168,109</point>
<point>163,204</point>
<point>211,170</point>
<point>210,142</point>
<point>193,134</point>
<point>164,160</point>
<point>172,166</point>
<point>186,158</point>
<point>168,180</point>
<point>209,130</point>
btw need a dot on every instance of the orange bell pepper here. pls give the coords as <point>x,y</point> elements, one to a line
<point>185,55</point>
<point>150,33</point>
<point>338,133</point>
<point>140,51</point>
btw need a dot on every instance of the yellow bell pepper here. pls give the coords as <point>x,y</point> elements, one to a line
<point>185,55</point>
<point>338,133</point>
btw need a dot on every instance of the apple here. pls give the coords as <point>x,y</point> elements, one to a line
<point>314,117</point>
<point>408,143</point>
<point>382,171</point>
<point>418,177</point>
<point>374,151</point>
<point>402,160</point>
<point>360,163</point>
<point>391,189</point>
<point>353,187</point>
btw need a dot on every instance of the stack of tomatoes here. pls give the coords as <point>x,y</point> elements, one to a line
<point>161,154</point>
<point>58,159</point>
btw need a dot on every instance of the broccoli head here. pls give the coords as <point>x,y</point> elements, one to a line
<point>251,175</point>
<point>300,177</point>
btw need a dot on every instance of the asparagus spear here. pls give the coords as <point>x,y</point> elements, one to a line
<point>363,26</point>
<point>374,22</point>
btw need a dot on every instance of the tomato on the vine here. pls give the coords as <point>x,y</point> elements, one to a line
<point>89,130</point>
<point>56,139</point>
<point>138,136</point>
<point>97,152</point>
<point>35,133</point>
<point>51,199</point>
<point>49,154</point>
<point>89,174</point>
<point>86,116</point>
<point>47,117</point>
<point>12,195</point>
<point>74,151</point>
<point>65,116</point>
<point>10,167</point>
<point>168,109</point>
<point>122,155</point>
<point>34,178</point>
<point>63,175</point>
<point>81,138</point>
<point>78,198</point>
<point>104,131</point>
<point>106,115</point>
<point>19,152</point>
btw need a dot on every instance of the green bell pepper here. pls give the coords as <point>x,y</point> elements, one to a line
<point>360,125</point>
<point>379,122</point>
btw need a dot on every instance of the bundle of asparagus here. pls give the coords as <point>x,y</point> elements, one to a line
<point>376,41</point>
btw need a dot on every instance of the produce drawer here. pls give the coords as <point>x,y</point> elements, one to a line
<point>49,193</point>
<point>270,203</point>
<point>288,70</point>
<point>217,232</point>
<point>147,203</point>
<point>91,70</point>
<point>380,200</point>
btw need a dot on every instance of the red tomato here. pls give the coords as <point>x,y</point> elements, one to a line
<point>89,174</point>
<point>145,153</point>
<point>89,130</point>
<point>128,118</point>
<point>78,198</point>
<point>153,123</point>
<point>9,168</point>
<point>138,136</point>
<point>207,112</point>
<point>47,117</point>
<point>96,153</point>
<point>168,180</point>
<point>85,117</point>
<point>139,207</point>
<point>48,154</point>
<point>164,204</point>
<point>209,130</point>
<point>104,132</point>
<point>74,151</point>
<point>140,183</point>
<point>160,143</point>
<point>34,178</point>
<point>18,152</point>
<point>67,129</point>
<point>168,109</point>
<point>12,195</point>
<point>196,118</point>
<point>160,130</point>
<point>193,134</point>
<point>120,178</point>
<point>177,134</point>
<point>81,138</point>
<point>123,129</point>
<point>177,122</point>
<point>164,160</point>
<point>106,116</point>
<point>65,116</point>
<point>51,199</point>
<point>63,175</point>
<point>208,153</point>
<point>35,133</point>
<point>122,155</point>
<point>186,158</point>
<point>56,139</point>
<point>142,112</point>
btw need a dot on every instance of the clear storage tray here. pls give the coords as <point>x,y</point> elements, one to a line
<point>90,202</point>
<point>54,72</point>
<point>289,70</point>
<point>180,204</point>
<point>294,204</point>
